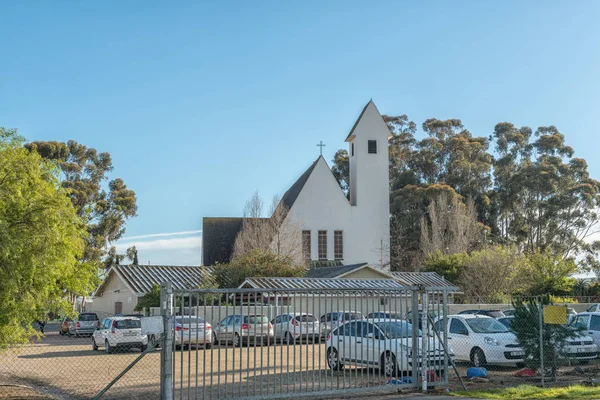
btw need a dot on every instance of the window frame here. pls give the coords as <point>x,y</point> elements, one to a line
<point>459,322</point>
<point>338,245</point>
<point>372,146</point>
<point>322,245</point>
<point>306,245</point>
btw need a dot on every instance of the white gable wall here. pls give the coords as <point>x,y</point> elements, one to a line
<point>115,290</point>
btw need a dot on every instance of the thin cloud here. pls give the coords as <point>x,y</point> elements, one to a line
<point>167,234</point>
<point>193,242</point>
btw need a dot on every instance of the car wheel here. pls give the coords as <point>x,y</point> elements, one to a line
<point>94,346</point>
<point>237,341</point>
<point>390,367</point>
<point>76,335</point>
<point>478,358</point>
<point>215,341</point>
<point>207,346</point>
<point>144,347</point>
<point>107,348</point>
<point>289,339</point>
<point>333,359</point>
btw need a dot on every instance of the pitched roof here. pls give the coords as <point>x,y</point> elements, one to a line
<point>318,283</point>
<point>358,119</point>
<point>429,279</point>
<point>141,278</point>
<point>332,272</point>
<point>289,197</point>
<point>218,237</point>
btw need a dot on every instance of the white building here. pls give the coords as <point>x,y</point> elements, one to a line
<point>334,230</point>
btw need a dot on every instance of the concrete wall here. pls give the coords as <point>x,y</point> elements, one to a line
<point>115,290</point>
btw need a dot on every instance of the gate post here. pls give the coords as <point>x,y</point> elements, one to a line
<point>166,351</point>
<point>424,340</point>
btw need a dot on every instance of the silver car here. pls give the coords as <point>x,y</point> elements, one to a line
<point>238,329</point>
<point>85,324</point>
<point>332,320</point>
<point>190,330</point>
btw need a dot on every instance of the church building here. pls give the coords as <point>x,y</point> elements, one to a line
<point>335,230</point>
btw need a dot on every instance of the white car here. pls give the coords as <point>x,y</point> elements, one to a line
<point>581,348</point>
<point>119,333</point>
<point>481,340</point>
<point>191,330</point>
<point>589,322</point>
<point>294,326</point>
<point>382,343</point>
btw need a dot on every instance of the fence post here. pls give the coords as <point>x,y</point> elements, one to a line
<point>415,334</point>
<point>424,341</point>
<point>166,351</point>
<point>541,327</point>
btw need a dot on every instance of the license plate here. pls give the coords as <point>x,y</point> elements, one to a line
<point>517,353</point>
<point>129,334</point>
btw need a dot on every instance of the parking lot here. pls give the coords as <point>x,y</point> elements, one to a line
<point>67,367</point>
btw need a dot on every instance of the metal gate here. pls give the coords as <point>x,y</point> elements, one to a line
<point>277,343</point>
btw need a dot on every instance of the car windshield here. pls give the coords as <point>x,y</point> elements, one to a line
<point>88,317</point>
<point>306,318</point>
<point>352,316</point>
<point>397,329</point>
<point>256,319</point>
<point>385,315</point>
<point>507,322</point>
<point>486,325</point>
<point>128,324</point>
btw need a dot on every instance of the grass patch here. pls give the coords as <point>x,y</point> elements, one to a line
<point>526,392</point>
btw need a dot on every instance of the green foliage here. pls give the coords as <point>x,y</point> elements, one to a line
<point>150,299</point>
<point>256,263</point>
<point>341,170</point>
<point>549,274</point>
<point>526,326</point>
<point>10,138</point>
<point>41,239</point>
<point>84,174</point>
<point>449,266</point>
<point>526,392</point>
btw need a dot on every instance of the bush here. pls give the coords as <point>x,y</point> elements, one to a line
<point>256,263</point>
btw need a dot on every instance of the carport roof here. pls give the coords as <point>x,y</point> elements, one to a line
<point>141,278</point>
<point>320,283</point>
<point>427,279</point>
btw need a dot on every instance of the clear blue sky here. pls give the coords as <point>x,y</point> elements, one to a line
<point>202,103</point>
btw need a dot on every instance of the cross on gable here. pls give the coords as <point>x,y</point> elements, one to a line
<point>321,145</point>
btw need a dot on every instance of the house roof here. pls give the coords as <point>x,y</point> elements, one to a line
<point>430,279</point>
<point>141,278</point>
<point>358,119</point>
<point>218,238</point>
<point>333,272</point>
<point>289,197</point>
<point>319,283</point>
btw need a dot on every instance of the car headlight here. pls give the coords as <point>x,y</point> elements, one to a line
<point>491,341</point>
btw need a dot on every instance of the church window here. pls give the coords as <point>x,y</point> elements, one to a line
<point>352,147</point>
<point>338,245</point>
<point>372,146</point>
<point>322,245</point>
<point>306,245</point>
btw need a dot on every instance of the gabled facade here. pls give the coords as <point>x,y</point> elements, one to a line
<point>333,228</point>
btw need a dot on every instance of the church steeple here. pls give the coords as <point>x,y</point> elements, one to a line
<point>368,142</point>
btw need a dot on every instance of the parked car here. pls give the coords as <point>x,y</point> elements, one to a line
<point>332,320</point>
<point>239,329</point>
<point>481,340</point>
<point>191,330</point>
<point>63,328</point>
<point>119,333</point>
<point>489,313</point>
<point>296,326</point>
<point>581,348</point>
<point>594,308</point>
<point>383,315</point>
<point>589,322</point>
<point>383,343</point>
<point>85,324</point>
